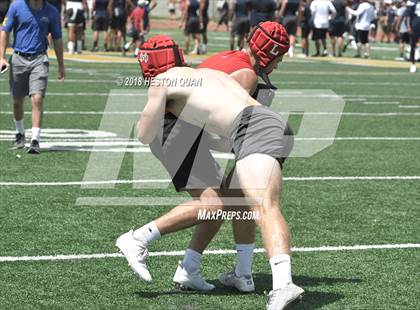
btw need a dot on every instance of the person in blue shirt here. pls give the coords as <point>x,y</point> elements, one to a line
<point>413,14</point>
<point>31,22</point>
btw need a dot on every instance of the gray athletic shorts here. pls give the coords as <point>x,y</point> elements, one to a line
<point>183,149</point>
<point>258,130</point>
<point>28,76</point>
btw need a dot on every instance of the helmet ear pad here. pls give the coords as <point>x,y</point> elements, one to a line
<point>159,54</point>
<point>268,41</point>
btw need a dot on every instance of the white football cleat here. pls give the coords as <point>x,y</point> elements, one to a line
<point>413,69</point>
<point>188,281</point>
<point>135,253</point>
<point>243,283</point>
<point>280,298</point>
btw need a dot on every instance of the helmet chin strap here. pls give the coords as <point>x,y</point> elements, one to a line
<point>261,73</point>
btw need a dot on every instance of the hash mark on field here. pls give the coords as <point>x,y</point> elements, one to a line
<point>209,252</point>
<point>325,178</point>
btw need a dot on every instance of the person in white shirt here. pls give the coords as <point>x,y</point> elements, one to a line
<point>322,12</point>
<point>365,15</point>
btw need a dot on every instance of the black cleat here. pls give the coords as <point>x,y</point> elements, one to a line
<point>34,147</point>
<point>20,141</point>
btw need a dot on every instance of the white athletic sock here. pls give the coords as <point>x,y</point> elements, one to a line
<point>281,269</point>
<point>147,233</point>
<point>36,133</point>
<point>70,47</point>
<point>19,127</point>
<point>79,45</point>
<point>204,48</point>
<point>192,261</point>
<point>136,51</point>
<point>244,254</point>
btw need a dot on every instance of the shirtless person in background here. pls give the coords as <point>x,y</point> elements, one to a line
<point>259,146</point>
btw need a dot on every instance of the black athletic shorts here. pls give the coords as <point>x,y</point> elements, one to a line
<point>290,23</point>
<point>204,26</point>
<point>337,29</point>
<point>305,30</point>
<point>75,18</point>
<point>192,26</point>
<point>319,34</point>
<point>405,37</point>
<point>100,23</point>
<point>362,36</point>
<point>240,26</point>
<point>184,151</point>
<point>118,22</point>
<point>259,130</point>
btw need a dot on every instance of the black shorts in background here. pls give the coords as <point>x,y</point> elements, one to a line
<point>337,29</point>
<point>118,22</point>
<point>240,26</point>
<point>192,26</point>
<point>405,38</point>
<point>305,30</point>
<point>362,36</point>
<point>319,34</point>
<point>290,23</point>
<point>100,23</point>
<point>75,18</point>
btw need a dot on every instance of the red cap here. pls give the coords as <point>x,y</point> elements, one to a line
<point>159,54</point>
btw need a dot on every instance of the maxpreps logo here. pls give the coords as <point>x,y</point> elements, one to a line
<point>143,57</point>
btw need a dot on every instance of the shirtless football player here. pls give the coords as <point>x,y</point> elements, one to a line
<point>259,145</point>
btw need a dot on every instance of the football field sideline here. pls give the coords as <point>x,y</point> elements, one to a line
<point>4,259</point>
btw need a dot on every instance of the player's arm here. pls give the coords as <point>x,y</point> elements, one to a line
<point>333,11</point>
<point>282,8</point>
<point>246,78</point>
<point>56,34</point>
<point>201,10</point>
<point>232,10</point>
<point>151,117</point>
<point>86,8</point>
<point>110,6</point>
<point>153,4</point>
<point>184,15</point>
<point>7,26</point>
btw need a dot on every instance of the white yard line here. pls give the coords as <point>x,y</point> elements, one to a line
<point>375,114</point>
<point>208,252</point>
<point>320,178</point>
<point>414,106</point>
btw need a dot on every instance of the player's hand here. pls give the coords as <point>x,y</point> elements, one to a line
<point>181,25</point>
<point>61,73</point>
<point>4,64</point>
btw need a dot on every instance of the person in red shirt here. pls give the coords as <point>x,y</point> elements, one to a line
<point>135,26</point>
<point>245,67</point>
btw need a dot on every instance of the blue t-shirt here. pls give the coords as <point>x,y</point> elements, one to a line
<point>31,27</point>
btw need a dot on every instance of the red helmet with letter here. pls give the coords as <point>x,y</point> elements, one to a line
<point>268,41</point>
<point>159,54</point>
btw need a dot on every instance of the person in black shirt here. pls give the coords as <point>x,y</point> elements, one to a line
<point>261,11</point>
<point>337,26</point>
<point>100,23</point>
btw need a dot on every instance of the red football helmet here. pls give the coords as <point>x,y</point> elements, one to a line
<point>159,54</point>
<point>267,41</point>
